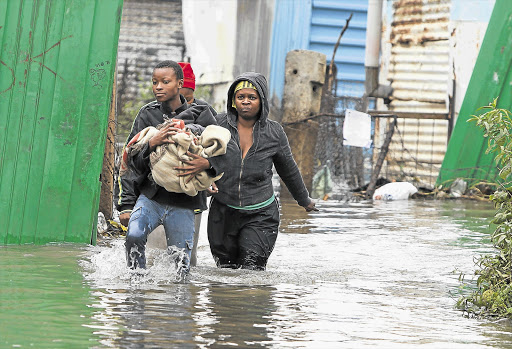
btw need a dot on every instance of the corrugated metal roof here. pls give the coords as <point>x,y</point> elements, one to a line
<point>420,21</point>
<point>416,151</point>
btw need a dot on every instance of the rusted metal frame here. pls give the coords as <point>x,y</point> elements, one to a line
<point>378,114</point>
<point>409,115</point>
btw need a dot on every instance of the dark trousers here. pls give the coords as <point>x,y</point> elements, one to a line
<point>242,238</point>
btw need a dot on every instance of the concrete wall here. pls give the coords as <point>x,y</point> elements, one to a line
<point>225,38</point>
<point>151,31</point>
<point>210,29</point>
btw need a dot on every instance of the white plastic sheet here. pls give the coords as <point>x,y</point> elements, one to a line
<point>357,129</point>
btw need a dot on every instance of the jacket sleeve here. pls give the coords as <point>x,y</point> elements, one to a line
<point>221,162</point>
<point>197,117</point>
<point>218,163</point>
<point>125,192</point>
<point>125,188</point>
<point>203,117</point>
<point>212,110</point>
<point>139,162</point>
<point>288,170</point>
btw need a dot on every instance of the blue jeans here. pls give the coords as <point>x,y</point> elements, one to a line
<point>146,216</point>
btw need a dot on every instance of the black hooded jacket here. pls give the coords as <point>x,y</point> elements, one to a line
<point>248,181</point>
<point>138,179</point>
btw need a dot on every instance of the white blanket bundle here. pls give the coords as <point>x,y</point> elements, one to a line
<point>212,142</point>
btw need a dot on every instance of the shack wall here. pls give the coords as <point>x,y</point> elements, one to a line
<point>57,68</point>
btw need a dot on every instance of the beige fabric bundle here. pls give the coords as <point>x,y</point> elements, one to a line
<point>165,158</point>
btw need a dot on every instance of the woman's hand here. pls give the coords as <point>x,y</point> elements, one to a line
<point>311,206</point>
<point>124,218</point>
<point>163,136</point>
<point>194,166</point>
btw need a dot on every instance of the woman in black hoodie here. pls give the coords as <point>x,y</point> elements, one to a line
<point>243,220</point>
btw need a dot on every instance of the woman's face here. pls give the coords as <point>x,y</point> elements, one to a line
<point>248,103</point>
<point>166,85</point>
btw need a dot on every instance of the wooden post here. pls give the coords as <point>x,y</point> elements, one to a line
<point>380,160</point>
<point>107,172</point>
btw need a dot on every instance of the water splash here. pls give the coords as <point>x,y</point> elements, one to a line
<point>106,267</point>
<point>181,261</point>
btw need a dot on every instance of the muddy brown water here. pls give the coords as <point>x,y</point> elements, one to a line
<point>353,275</point>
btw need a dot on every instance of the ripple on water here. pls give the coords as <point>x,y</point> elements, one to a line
<point>351,275</point>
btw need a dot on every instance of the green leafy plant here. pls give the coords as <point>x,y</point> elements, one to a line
<point>492,296</point>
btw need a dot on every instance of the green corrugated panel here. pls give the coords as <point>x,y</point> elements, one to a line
<point>491,78</point>
<point>57,64</point>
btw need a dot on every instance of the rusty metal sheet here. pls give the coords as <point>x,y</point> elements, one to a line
<point>419,71</point>
<point>419,64</point>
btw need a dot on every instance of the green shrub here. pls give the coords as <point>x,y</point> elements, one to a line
<point>492,296</point>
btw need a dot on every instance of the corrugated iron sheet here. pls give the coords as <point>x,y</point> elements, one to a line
<point>466,156</point>
<point>416,151</point>
<point>316,25</point>
<point>57,66</point>
<point>290,31</point>
<point>419,68</point>
<point>419,72</point>
<point>327,20</point>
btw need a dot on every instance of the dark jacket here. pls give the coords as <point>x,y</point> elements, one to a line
<point>201,102</point>
<point>138,179</point>
<point>249,181</point>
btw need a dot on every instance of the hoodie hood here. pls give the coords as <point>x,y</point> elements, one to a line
<point>259,81</point>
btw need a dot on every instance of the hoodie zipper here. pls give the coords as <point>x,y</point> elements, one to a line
<point>241,169</point>
<point>242,164</point>
<point>240,182</point>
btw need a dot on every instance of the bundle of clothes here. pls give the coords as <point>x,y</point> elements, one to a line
<point>165,158</point>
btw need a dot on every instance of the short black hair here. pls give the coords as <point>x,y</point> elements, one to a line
<point>171,64</point>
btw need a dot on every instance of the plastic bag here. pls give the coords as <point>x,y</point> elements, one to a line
<point>322,183</point>
<point>458,188</point>
<point>395,191</point>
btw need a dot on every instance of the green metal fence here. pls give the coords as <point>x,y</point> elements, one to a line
<point>492,77</point>
<point>57,65</point>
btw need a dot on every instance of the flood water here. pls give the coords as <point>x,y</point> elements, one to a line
<point>353,275</point>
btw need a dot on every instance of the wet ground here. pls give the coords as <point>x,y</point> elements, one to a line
<point>353,275</point>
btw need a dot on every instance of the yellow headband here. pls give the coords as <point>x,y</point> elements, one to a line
<point>242,84</point>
